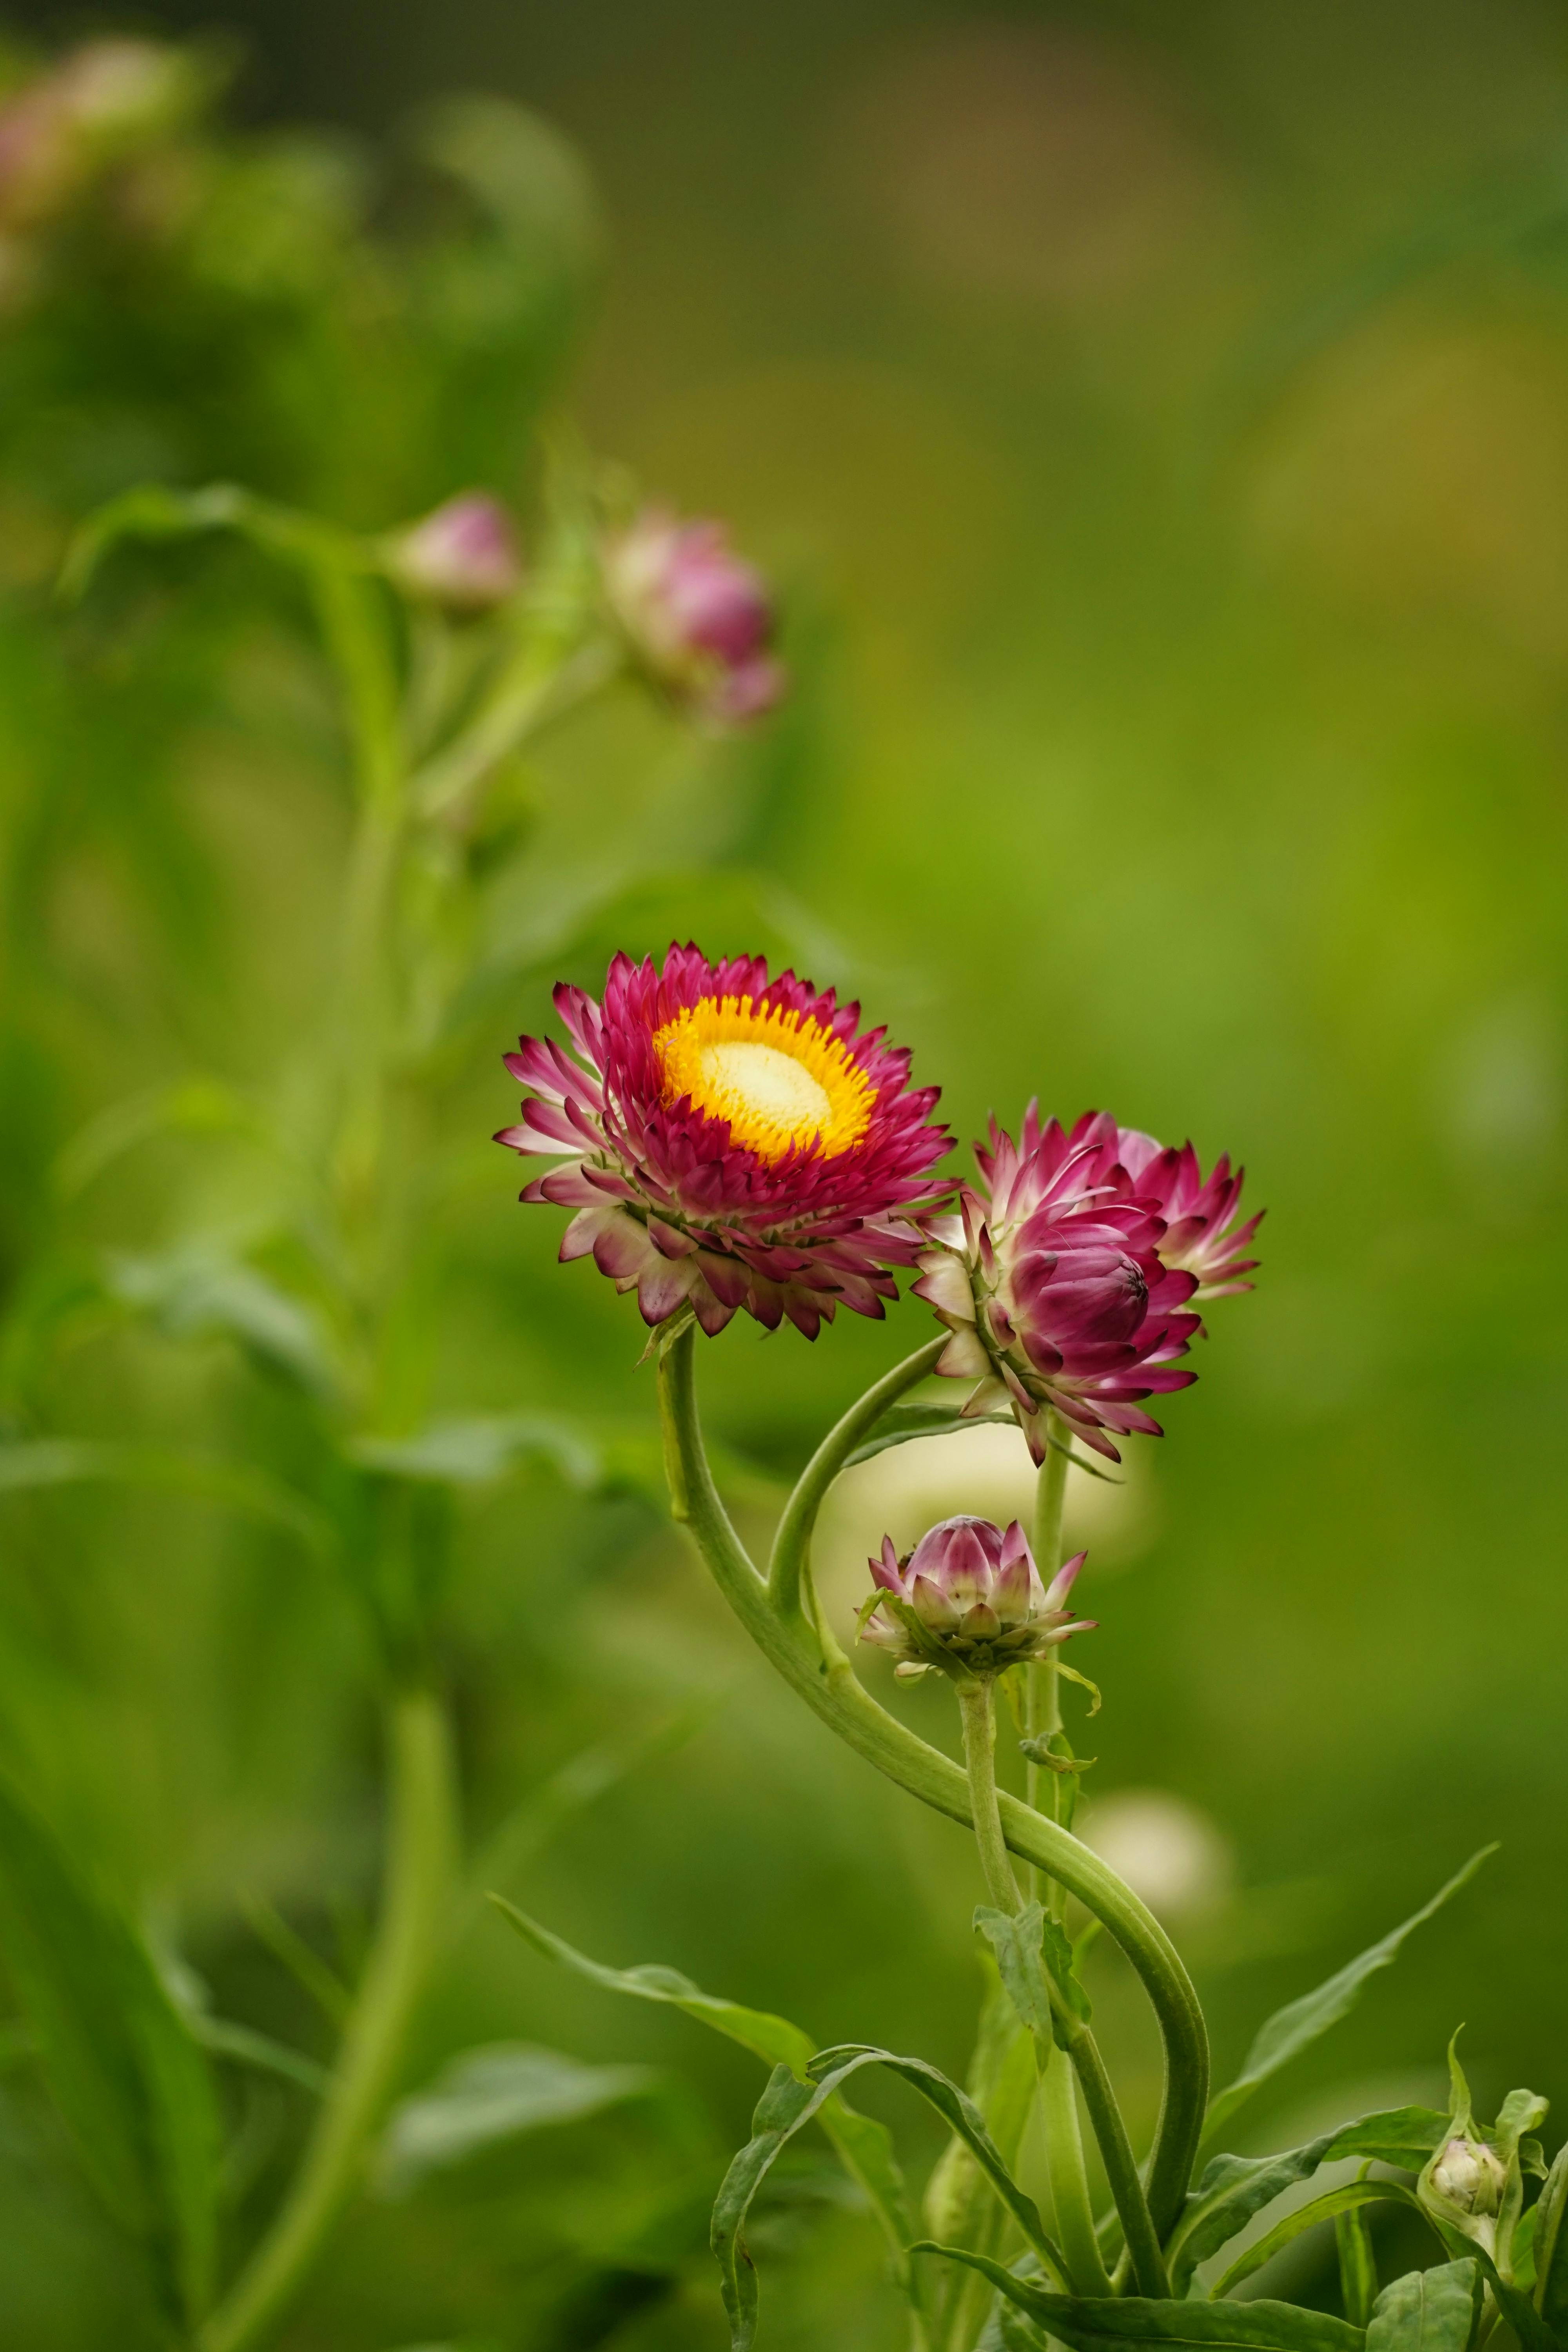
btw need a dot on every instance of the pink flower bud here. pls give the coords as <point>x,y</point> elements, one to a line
<point>463,555</point>
<point>698,620</point>
<point>969,1596</point>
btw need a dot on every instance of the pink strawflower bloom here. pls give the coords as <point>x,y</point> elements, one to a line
<point>730,1142</point>
<point>698,619</point>
<point>968,1599</point>
<point>1068,1276</point>
<point>1201,1234</point>
<point>463,554</point>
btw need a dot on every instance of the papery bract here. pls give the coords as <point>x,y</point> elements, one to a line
<point>1068,1275</point>
<point>729,1140</point>
<point>698,620</point>
<point>969,1599</point>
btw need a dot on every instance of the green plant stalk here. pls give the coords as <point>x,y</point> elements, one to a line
<point>827,1683</point>
<point>791,1543</point>
<point>418,1874</point>
<point>1043,1705</point>
<point>1069,2182</point>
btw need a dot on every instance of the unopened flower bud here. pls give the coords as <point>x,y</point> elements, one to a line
<point>1471,2175</point>
<point>698,620</point>
<point>969,1599</point>
<point>462,555</point>
<point>120,92</point>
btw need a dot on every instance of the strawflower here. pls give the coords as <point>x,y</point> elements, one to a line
<point>729,1141</point>
<point>697,619</point>
<point>1070,1276</point>
<point>462,555</point>
<point>969,1601</point>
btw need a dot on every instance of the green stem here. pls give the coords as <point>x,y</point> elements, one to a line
<point>792,1544</point>
<point>1069,2182</point>
<point>416,1877</point>
<point>1043,1703</point>
<point>828,1685</point>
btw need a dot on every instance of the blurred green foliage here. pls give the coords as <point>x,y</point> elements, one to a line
<point>1161,425</point>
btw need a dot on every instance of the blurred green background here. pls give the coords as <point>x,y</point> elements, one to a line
<point>1156,423</point>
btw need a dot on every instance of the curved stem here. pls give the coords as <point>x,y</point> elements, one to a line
<point>416,1877</point>
<point>828,1685</point>
<point>792,1544</point>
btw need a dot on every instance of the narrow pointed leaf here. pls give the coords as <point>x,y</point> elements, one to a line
<point>863,2146</point>
<point>1358,2265</point>
<point>1552,2246</point>
<point>1428,2311</point>
<point>1300,2023</point>
<point>1326,2207</point>
<point>494,2094</point>
<point>1094,2324</point>
<point>1234,2188</point>
<point>123,2069</point>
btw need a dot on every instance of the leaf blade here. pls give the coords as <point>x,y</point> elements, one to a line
<point>1300,2023</point>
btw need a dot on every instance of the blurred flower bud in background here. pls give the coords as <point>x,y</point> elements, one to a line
<point>463,555</point>
<point>101,103</point>
<point>971,1596</point>
<point>698,620</point>
<point>1169,1852</point>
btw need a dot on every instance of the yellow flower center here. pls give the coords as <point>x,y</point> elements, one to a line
<point>782,1080</point>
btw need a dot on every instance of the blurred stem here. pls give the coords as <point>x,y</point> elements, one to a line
<point>827,1681</point>
<point>416,1877</point>
<point>542,682</point>
<point>1070,2181</point>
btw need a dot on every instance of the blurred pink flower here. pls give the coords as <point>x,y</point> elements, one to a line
<point>463,554</point>
<point>698,620</point>
<point>730,1142</point>
<point>970,1595</point>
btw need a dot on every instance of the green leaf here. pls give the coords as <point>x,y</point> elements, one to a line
<point>119,2060</point>
<point>245,2047</point>
<point>785,2106</point>
<point>1101,2324</point>
<point>1533,2333</point>
<point>254,1494</point>
<point>1326,2207</point>
<point>1358,2265</point>
<point>1300,2023</point>
<point>1552,2246</point>
<point>480,1450</point>
<point>903,1423</point>
<point>1426,2311</point>
<point>772,2039</point>
<point>195,1105</point>
<point>958,2111</point>
<point>1017,1942</point>
<point>493,2094</point>
<point>1234,2187</point>
<point>1033,1952</point>
<point>198,1292</point>
<point>863,2146</point>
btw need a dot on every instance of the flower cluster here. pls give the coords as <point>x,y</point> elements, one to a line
<point>969,1601</point>
<point>101,103</point>
<point>730,1142</point>
<point>1071,1276</point>
<point>698,620</point>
